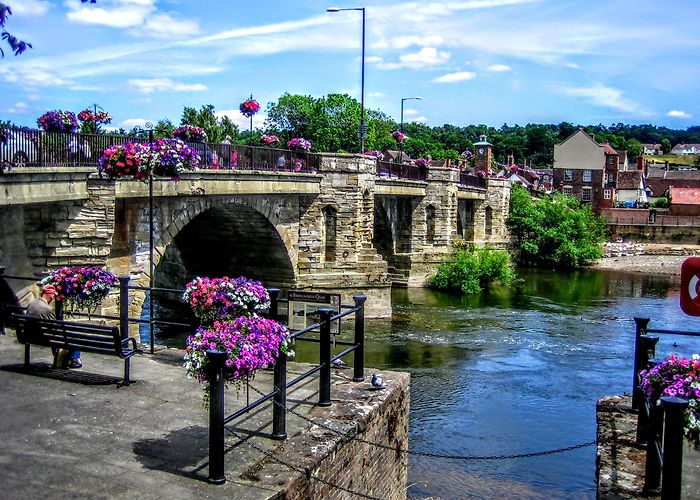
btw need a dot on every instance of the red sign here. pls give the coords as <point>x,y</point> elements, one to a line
<point>690,286</point>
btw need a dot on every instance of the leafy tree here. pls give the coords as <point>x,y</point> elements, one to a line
<point>216,129</point>
<point>554,232</point>
<point>666,146</point>
<point>469,270</point>
<point>634,147</point>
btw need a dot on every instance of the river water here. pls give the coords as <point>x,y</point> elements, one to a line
<point>517,370</point>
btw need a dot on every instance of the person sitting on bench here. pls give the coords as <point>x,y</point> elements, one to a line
<point>41,308</point>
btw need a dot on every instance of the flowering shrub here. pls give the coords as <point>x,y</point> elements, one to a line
<point>299,144</point>
<point>399,136</point>
<point>213,299</point>
<point>88,115</point>
<point>678,377</point>
<point>421,163</point>
<point>80,287</point>
<point>250,343</point>
<point>190,133</point>
<point>58,121</point>
<point>269,139</point>
<point>249,107</point>
<point>466,155</point>
<point>130,158</point>
<point>169,157</point>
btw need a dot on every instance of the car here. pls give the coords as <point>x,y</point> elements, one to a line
<point>18,148</point>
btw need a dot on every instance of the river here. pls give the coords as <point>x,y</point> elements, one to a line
<point>517,370</point>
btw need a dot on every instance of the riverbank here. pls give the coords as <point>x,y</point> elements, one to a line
<point>645,258</point>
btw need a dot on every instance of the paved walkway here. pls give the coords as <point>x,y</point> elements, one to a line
<point>73,433</point>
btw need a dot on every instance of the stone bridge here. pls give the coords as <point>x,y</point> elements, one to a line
<point>343,229</point>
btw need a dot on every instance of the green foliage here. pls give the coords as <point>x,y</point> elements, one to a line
<point>216,129</point>
<point>554,232</point>
<point>662,202</point>
<point>470,270</point>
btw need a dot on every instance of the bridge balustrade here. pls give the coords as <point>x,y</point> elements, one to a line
<point>392,170</point>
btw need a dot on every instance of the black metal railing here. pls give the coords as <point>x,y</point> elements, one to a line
<point>389,169</point>
<point>467,179</point>
<point>35,148</point>
<point>659,427</point>
<point>217,419</point>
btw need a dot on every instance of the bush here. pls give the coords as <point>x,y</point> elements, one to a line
<point>470,270</point>
<point>555,232</point>
<point>660,203</point>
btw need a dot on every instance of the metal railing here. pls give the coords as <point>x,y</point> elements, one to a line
<point>659,428</point>
<point>217,419</point>
<point>467,179</point>
<point>392,170</point>
<point>35,148</point>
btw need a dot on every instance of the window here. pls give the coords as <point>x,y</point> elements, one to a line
<point>611,160</point>
<point>586,195</point>
<point>607,194</point>
<point>330,220</point>
<point>611,177</point>
<point>568,174</point>
<point>567,190</point>
<point>586,176</point>
<point>430,224</point>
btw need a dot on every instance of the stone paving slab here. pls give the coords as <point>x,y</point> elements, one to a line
<point>74,433</point>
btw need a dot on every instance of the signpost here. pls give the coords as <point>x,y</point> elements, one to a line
<point>690,286</point>
<point>304,306</point>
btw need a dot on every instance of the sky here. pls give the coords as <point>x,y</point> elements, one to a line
<point>472,62</point>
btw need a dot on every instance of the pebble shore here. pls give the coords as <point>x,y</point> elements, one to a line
<point>645,258</point>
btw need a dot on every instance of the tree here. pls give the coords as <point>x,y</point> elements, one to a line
<point>554,232</point>
<point>666,146</point>
<point>216,129</point>
<point>17,46</point>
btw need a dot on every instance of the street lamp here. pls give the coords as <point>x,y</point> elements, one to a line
<point>363,126</point>
<point>418,98</point>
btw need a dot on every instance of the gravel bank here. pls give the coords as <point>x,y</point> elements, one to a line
<point>644,258</point>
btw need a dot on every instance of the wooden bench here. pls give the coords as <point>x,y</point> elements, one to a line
<point>83,337</point>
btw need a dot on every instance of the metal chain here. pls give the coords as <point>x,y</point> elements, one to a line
<point>445,456</point>
<point>300,470</point>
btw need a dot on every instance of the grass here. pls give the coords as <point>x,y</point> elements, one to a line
<point>674,160</point>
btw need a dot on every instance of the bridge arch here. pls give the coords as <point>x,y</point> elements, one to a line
<point>231,236</point>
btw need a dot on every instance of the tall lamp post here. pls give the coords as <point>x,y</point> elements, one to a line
<point>401,124</point>
<point>363,125</point>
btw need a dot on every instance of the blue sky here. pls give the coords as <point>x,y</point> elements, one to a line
<point>474,61</point>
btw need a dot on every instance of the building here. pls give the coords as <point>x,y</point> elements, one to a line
<point>686,149</point>
<point>586,169</point>
<point>651,149</point>
<point>684,201</point>
<point>631,190</point>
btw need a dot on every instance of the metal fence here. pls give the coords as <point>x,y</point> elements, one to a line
<point>659,428</point>
<point>467,179</point>
<point>35,148</point>
<point>392,170</point>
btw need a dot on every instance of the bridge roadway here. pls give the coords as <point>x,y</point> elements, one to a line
<point>343,229</point>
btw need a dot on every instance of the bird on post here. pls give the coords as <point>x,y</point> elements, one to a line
<point>338,363</point>
<point>378,382</point>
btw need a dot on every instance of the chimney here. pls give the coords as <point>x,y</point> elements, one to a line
<point>640,162</point>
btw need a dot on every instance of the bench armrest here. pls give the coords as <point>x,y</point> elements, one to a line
<point>134,344</point>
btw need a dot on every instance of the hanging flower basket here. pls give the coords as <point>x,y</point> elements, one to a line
<point>399,136</point>
<point>678,377</point>
<point>58,121</point>
<point>88,116</point>
<point>250,343</point>
<point>125,160</point>
<point>299,144</point>
<point>171,157</point>
<point>421,163</point>
<point>190,133</point>
<point>249,107</point>
<point>269,139</point>
<point>219,299</point>
<point>80,287</point>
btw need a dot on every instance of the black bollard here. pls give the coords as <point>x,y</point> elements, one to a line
<point>324,395</point>
<point>671,474</point>
<point>216,360</point>
<point>653,427</point>
<point>640,329</point>
<point>359,359</point>
<point>274,302</point>
<point>279,407</point>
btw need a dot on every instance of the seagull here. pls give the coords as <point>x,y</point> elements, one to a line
<point>338,362</point>
<point>377,382</point>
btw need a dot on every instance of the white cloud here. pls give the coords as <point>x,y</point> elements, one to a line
<point>427,56</point>
<point>164,26</point>
<point>134,122</point>
<point>19,107</point>
<point>455,77</point>
<point>165,85</point>
<point>30,7</point>
<point>402,42</point>
<point>675,113</point>
<point>499,68</point>
<point>376,94</point>
<point>243,122</point>
<point>610,97</point>
<point>32,77</point>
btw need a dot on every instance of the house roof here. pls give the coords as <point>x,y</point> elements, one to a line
<point>685,196</point>
<point>658,186</point>
<point>683,175</point>
<point>609,149</point>
<point>629,179</point>
<point>652,146</point>
<point>686,146</point>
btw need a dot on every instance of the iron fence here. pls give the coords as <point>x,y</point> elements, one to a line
<point>659,427</point>
<point>467,179</point>
<point>35,148</point>
<point>392,170</point>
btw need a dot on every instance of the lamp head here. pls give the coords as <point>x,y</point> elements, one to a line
<point>332,9</point>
